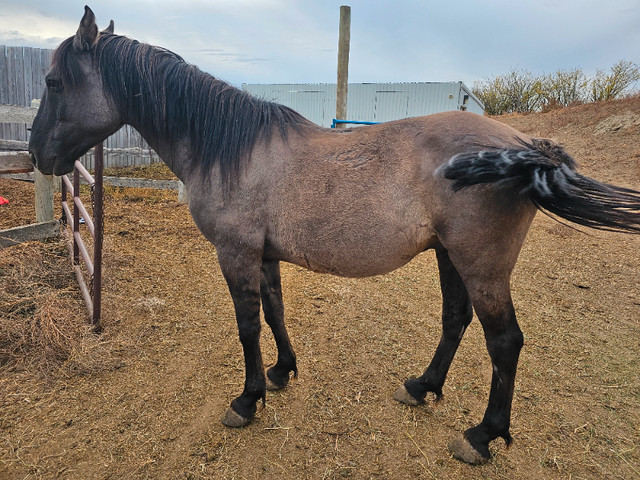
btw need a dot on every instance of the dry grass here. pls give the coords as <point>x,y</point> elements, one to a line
<point>155,171</point>
<point>35,303</point>
<point>43,324</point>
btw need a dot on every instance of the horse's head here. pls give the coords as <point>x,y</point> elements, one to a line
<point>75,112</point>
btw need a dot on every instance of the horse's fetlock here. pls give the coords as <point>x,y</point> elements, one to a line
<point>278,377</point>
<point>497,426</point>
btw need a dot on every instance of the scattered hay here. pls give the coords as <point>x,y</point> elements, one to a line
<point>154,171</point>
<point>43,324</point>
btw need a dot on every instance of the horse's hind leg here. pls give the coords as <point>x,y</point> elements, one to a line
<point>271,293</point>
<point>456,316</point>
<point>492,302</point>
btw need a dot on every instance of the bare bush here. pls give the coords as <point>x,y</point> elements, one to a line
<point>516,92</point>
<point>564,88</point>
<point>490,92</point>
<point>520,91</point>
<point>605,86</point>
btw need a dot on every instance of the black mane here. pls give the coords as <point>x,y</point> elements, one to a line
<point>156,87</point>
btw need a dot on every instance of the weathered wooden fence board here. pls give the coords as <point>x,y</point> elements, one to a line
<point>12,114</point>
<point>22,72</point>
<point>15,162</point>
<point>29,233</point>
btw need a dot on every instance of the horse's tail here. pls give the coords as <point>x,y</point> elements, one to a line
<point>545,173</point>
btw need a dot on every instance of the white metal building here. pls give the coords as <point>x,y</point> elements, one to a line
<point>370,102</point>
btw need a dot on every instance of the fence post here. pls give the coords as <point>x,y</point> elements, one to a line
<point>344,39</point>
<point>182,193</point>
<point>98,214</point>
<point>44,186</point>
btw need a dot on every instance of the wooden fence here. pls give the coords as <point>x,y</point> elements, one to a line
<point>14,159</point>
<point>22,73</point>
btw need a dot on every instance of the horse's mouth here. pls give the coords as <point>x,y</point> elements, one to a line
<point>60,167</point>
<point>38,164</point>
<point>45,167</point>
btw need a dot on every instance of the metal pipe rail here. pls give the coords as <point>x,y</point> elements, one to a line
<point>354,122</point>
<point>91,290</point>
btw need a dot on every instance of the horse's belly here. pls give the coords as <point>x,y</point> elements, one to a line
<point>349,253</point>
<point>351,266</point>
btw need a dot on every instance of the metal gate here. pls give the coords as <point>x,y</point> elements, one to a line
<point>91,289</point>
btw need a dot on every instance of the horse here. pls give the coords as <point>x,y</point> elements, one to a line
<point>265,185</point>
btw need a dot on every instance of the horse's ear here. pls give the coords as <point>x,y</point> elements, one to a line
<point>87,34</point>
<point>109,29</point>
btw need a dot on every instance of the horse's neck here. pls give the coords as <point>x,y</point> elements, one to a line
<point>174,152</point>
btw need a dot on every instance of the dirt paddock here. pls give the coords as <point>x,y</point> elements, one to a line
<point>144,399</point>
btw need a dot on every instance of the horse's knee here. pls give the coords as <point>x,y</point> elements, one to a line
<point>249,330</point>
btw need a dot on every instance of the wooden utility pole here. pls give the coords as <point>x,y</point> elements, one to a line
<point>343,63</point>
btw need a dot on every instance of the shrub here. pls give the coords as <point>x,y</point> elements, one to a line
<point>564,87</point>
<point>515,92</point>
<point>607,87</point>
<point>520,91</point>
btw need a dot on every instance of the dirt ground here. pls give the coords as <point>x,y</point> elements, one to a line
<point>144,399</point>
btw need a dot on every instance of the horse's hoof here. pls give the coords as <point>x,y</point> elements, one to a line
<point>405,397</point>
<point>462,450</point>
<point>233,419</point>
<point>274,387</point>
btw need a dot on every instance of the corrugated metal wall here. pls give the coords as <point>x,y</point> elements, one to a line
<point>370,102</point>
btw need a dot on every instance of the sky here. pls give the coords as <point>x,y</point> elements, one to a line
<point>287,41</point>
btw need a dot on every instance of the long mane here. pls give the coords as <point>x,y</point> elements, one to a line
<point>159,89</point>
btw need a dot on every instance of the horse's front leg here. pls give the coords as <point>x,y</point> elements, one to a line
<point>456,316</point>
<point>242,273</point>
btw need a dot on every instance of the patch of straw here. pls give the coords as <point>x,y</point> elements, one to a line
<point>43,323</point>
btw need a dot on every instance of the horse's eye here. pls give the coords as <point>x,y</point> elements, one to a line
<point>54,84</point>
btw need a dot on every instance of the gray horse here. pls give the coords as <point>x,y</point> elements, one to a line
<point>266,185</point>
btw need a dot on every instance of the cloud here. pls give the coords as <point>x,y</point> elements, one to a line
<point>231,57</point>
<point>26,27</point>
<point>281,41</point>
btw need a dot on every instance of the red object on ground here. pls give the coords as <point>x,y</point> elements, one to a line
<point>3,200</point>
